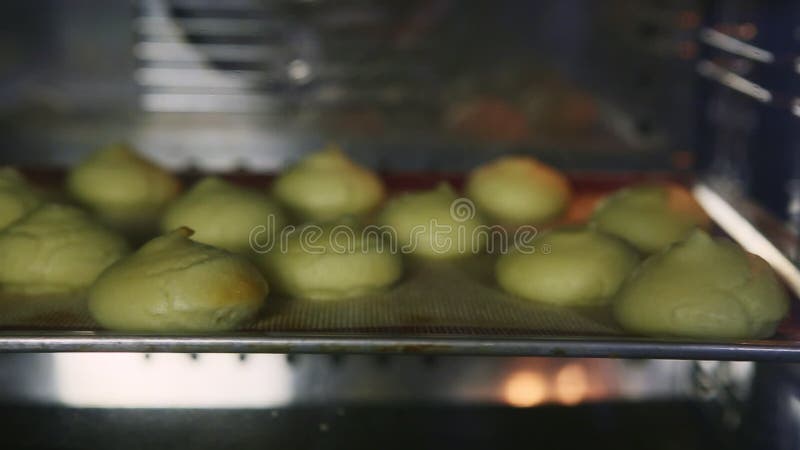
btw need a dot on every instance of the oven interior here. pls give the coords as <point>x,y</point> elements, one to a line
<point>705,90</point>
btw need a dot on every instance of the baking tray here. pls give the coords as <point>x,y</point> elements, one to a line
<point>438,308</point>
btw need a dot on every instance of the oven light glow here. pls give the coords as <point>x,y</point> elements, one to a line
<point>572,384</point>
<point>525,388</point>
<point>162,380</point>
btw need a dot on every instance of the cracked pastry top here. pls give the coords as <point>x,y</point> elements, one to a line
<point>175,284</point>
<point>702,288</point>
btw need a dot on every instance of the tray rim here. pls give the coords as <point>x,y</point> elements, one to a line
<point>331,343</point>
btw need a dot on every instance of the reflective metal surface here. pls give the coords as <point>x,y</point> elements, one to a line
<point>342,343</point>
<point>225,380</point>
<point>330,400</point>
<point>411,85</point>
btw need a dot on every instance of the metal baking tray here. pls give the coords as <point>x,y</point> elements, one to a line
<point>438,308</point>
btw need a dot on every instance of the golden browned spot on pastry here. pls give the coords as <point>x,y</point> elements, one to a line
<point>680,200</point>
<point>175,284</point>
<point>581,207</point>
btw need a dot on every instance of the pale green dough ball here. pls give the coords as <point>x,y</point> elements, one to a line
<point>571,267</point>
<point>702,288</point>
<point>224,215</point>
<point>16,196</point>
<point>175,284</point>
<point>519,190</point>
<point>650,217</point>
<point>55,249</point>
<point>329,263</point>
<point>121,187</point>
<point>326,186</point>
<point>435,224</point>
